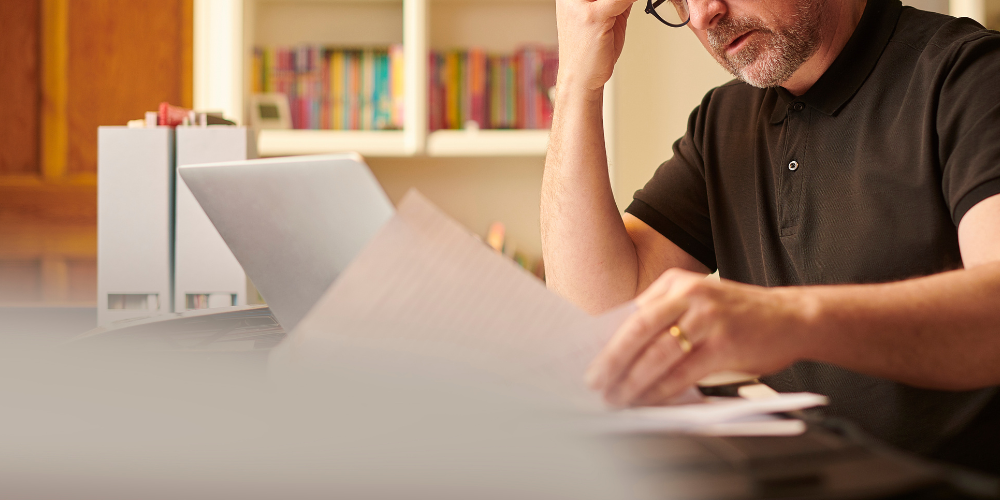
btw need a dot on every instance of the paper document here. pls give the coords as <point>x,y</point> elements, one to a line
<point>718,415</point>
<point>425,283</point>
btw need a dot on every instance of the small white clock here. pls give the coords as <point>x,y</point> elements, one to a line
<point>270,111</point>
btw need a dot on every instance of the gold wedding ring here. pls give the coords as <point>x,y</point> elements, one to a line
<point>682,340</point>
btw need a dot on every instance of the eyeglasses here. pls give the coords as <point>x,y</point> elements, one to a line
<point>673,13</point>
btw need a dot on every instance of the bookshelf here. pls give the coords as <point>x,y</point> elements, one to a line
<point>224,56</point>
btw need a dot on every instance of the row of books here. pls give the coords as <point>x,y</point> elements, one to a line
<point>362,89</point>
<point>473,88</point>
<point>334,88</point>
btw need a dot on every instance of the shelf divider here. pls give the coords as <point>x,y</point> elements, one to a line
<point>415,61</point>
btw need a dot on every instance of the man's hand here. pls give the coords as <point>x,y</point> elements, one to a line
<point>730,326</point>
<point>591,37</point>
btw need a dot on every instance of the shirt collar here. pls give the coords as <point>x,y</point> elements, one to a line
<point>851,68</point>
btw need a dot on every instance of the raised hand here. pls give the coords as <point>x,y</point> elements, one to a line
<point>591,37</point>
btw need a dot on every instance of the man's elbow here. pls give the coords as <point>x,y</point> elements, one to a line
<point>593,302</point>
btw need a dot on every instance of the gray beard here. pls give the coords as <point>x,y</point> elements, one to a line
<point>769,57</point>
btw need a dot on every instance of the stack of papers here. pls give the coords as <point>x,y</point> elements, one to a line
<point>426,285</point>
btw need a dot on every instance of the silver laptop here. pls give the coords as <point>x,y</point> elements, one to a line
<point>293,223</point>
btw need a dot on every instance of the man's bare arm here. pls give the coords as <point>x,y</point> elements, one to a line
<point>940,331</point>
<point>591,256</point>
<point>655,254</point>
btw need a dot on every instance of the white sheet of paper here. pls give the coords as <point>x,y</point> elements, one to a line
<point>710,415</point>
<point>758,425</point>
<point>426,283</point>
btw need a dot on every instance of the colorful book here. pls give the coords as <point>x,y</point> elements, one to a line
<point>397,69</point>
<point>343,88</point>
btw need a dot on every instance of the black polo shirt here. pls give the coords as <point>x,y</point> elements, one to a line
<point>862,179</point>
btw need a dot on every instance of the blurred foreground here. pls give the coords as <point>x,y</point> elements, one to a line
<point>82,422</point>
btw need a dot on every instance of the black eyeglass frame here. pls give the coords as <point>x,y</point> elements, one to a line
<point>651,9</point>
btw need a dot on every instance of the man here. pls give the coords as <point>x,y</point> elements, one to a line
<point>846,188</point>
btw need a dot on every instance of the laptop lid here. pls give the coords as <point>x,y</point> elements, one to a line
<point>293,223</point>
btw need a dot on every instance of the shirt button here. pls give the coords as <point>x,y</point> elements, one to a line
<point>793,165</point>
<point>798,106</point>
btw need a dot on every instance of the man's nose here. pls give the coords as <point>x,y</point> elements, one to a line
<point>706,14</point>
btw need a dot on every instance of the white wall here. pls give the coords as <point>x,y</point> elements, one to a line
<point>993,14</point>
<point>939,6</point>
<point>975,9</point>
<point>474,191</point>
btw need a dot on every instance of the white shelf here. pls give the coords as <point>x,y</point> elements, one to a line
<point>487,142</point>
<point>306,142</point>
<point>227,30</point>
<point>392,144</point>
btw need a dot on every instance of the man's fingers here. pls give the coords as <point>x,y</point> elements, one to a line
<point>661,285</point>
<point>606,9</point>
<point>656,360</point>
<point>623,17</point>
<point>673,282</point>
<point>659,307</point>
<point>697,365</point>
<point>633,336</point>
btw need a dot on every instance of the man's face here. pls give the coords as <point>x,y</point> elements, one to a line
<point>761,42</point>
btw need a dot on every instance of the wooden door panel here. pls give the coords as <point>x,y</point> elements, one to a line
<point>125,57</point>
<point>67,67</point>
<point>19,90</point>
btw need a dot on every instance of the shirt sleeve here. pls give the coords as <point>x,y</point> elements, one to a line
<point>675,200</point>
<point>968,124</point>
